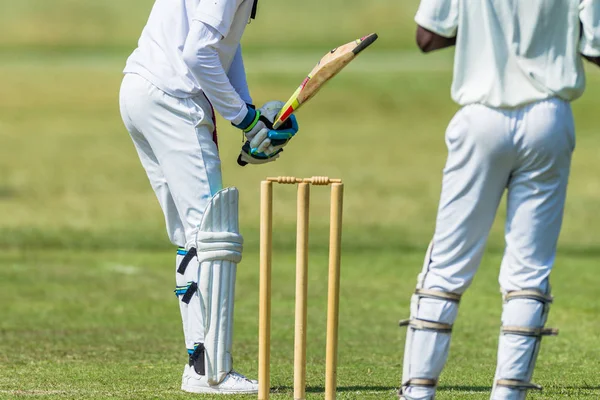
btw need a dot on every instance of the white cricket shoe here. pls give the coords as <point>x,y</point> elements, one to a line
<point>233,383</point>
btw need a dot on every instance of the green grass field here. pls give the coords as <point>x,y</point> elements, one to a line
<point>86,271</point>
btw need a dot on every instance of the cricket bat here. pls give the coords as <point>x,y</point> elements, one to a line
<point>328,67</point>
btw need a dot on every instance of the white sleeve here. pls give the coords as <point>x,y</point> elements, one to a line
<point>237,76</point>
<point>438,16</point>
<point>200,55</point>
<point>589,14</point>
<point>217,13</point>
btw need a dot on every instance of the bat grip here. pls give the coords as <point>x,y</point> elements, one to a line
<point>277,124</point>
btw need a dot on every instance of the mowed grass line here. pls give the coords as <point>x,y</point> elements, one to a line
<point>106,325</point>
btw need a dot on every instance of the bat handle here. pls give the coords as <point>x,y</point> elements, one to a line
<point>277,124</point>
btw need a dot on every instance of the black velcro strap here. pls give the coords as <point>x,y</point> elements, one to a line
<point>197,359</point>
<point>187,297</point>
<point>186,260</point>
<point>254,9</point>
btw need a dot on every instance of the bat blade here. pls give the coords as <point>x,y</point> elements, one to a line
<point>328,67</point>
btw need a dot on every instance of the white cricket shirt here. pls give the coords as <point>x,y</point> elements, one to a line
<point>514,52</point>
<point>159,55</point>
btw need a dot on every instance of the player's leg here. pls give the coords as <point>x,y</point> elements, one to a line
<point>180,132</point>
<point>536,197</point>
<point>132,90</point>
<point>217,243</point>
<point>475,176</point>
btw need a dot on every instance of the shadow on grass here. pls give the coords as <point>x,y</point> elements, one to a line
<point>583,387</point>
<point>340,389</point>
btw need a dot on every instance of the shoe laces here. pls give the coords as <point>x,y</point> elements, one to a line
<point>237,376</point>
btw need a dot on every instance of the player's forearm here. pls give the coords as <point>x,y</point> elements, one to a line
<point>237,76</point>
<point>202,59</point>
<point>589,44</point>
<point>429,41</point>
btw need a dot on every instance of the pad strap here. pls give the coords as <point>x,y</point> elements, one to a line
<point>536,332</point>
<point>189,293</point>
<point>197,359</point>
<point>419,382</point>
<point>422,382</point>
<point>516,384</point>
<point>186,260</point>
<point>219,246</point>
<point>421,324</point>
<point>529,294</point>
<point>438,294</point>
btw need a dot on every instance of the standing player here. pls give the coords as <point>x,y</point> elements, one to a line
<point>518,64</point>
<point>189,59</point>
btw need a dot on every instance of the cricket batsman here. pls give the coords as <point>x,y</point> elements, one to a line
<point>517,67</point>
<point>189,60</point>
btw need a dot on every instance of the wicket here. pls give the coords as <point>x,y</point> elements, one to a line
<point>266,236</point>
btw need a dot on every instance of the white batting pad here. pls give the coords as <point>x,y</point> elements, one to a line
<point>432,314</point>
<point>219,247</point>
<point>523,320</point>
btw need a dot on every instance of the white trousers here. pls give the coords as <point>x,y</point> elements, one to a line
<point>526,151</point>
<point>175,140</point>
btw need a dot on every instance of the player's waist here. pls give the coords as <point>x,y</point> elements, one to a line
<point>496,100</point>
<point>552,102</point>
<point>167,78</point>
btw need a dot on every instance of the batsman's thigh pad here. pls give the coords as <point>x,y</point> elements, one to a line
<point>432,315</point>
<point>219,247</point>
<point>523,318</point>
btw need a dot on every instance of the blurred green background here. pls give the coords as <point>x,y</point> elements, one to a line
<point>84,259</point>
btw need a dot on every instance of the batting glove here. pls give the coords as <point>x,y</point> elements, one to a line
<point>265,144</point>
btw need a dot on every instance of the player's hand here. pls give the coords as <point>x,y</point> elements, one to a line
<point>264,143</point>
<point>248,157</point>
<point>253,122</point>
<point>268,144</point>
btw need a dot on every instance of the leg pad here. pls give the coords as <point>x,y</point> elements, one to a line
<point>523,318</point>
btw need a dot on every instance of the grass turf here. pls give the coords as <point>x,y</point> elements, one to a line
<point>86,273</point>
